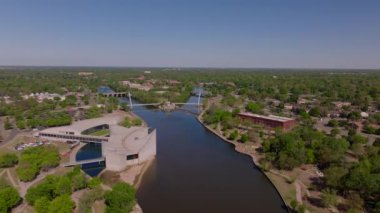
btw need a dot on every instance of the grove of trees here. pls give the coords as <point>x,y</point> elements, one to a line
<point>35,159</point>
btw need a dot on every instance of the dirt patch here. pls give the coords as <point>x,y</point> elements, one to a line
<point>110,178</point>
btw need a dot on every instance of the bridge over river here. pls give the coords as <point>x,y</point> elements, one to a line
<point>81,162</point>
<point>108,92</point>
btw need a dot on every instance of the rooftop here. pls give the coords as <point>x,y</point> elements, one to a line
<point>269,117</point>
<point>121,138</point>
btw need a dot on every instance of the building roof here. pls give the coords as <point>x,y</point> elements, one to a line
<point>269,117</point>
<point>121,139</point>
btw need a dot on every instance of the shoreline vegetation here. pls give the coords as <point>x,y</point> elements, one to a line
<point>241,148</point>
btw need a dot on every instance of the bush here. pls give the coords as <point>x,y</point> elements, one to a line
<point>88,198</point>
<point>369,129</point>
<point>9,198</point>
<point>233,136</point>
<point>329,198</point>
<point>293,204</point>
<point>136,122</point>
<point>94,182</point>
<point>27,172</point>
<point>254,107</point>
<point>47,189</point>
<point>128,122</point>
<point>377,142</point>
<point>61,204</point>
<point>8,160</point>
<point>244,138</point>
<point>333,123</point>
<point>315,112</point>
<point>78,182</point>
<point>42,205</point>
<point>121,198</point>
<point>63,186</point>
<point>7,124</point>
<point>36,158</point>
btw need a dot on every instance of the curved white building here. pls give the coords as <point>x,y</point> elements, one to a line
<point>123,147</point>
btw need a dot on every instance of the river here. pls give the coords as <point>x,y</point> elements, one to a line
<point>196,171</point>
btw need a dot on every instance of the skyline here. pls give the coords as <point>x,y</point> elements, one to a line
<point>230,34</point>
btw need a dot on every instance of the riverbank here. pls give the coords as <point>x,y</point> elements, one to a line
<point>255,156</point>
<point>134,174</point>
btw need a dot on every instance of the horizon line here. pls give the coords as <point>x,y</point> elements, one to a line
<point>182,67</point>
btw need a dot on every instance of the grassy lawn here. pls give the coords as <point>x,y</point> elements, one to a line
<point>287,191</point>
<point>102,132</point>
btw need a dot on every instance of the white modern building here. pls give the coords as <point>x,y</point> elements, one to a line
<point>121,148</point>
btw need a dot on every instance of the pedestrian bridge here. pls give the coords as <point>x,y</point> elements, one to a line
<point>80,162</point>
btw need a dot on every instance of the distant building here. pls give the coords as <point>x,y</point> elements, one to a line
<point>270,121</point>
<point>145,87</point>
<point>303,101</point>
<point>6,99</point>
<point>173,82</point>
<point>44,95</point>
<point>340,104</point>
<point>85,73</point>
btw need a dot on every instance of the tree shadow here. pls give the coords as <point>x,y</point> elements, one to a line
<point>315,202</point>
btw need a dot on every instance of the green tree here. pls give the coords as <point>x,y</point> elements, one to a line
<point>78,182</point>
<point>244,138</point>
<point>8,160</point>
<point>354,115</point>
<point>333,123</point>
<point>233,136</point>
<point>289,150</point>
<point>27,172</point>
<point>63,186</point>
<point>357,139</point>
<point>88,198</point>
<point>8,124</point>
<point>124,106</point>
<point>331,150</point>
<point>355,201</point>
<point>46,188</point>
<point>334,132</point>
<point>20,124</point>
<point>120,199</point>
<point>254,107</point>
<point>315,112</point>
<point>136,122</point>
<point>127,122</point>
<point>42,205</point>
<point>94,182</point>
<point>329,198</point>
<point>36,158</point>
<point>10,198</point>
<point>333,176</point>
<point>61,204</point>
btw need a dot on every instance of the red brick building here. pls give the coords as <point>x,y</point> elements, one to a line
<point>270,121</point>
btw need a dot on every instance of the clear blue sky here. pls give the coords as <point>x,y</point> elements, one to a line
<point>195,33</point>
